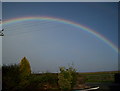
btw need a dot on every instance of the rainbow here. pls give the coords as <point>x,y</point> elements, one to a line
<point>63,21</point>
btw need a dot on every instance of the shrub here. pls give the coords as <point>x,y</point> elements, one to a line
<point>64,83</point>
<point>11,77</point>
<point>67,78</point>
<point>74,76</point>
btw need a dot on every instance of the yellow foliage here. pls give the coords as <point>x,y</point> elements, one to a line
<point>25,67</point>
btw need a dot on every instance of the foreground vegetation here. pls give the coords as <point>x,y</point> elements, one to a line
<point>19,78</point>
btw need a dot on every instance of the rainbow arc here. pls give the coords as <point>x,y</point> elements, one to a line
<point>63,21</point>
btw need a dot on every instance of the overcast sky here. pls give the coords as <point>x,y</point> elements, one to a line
<point>48,44</point>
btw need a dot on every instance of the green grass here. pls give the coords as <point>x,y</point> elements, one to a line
<point>99,76</point>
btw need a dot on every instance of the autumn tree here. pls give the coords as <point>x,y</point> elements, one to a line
<point>25,67</point>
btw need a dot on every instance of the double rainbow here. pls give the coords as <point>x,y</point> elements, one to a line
<point>63,21</point>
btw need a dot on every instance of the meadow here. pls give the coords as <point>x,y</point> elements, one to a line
<point>108,76</point>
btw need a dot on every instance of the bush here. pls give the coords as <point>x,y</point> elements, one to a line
<point>74,76</point>
<point>67,78</point>
<point>64,83</point>
<point>10,77</point>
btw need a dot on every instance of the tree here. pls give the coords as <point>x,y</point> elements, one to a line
<point>25,72</point>
<point>25,67</point>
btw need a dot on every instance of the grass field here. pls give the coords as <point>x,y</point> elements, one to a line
<point>99,76</point>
